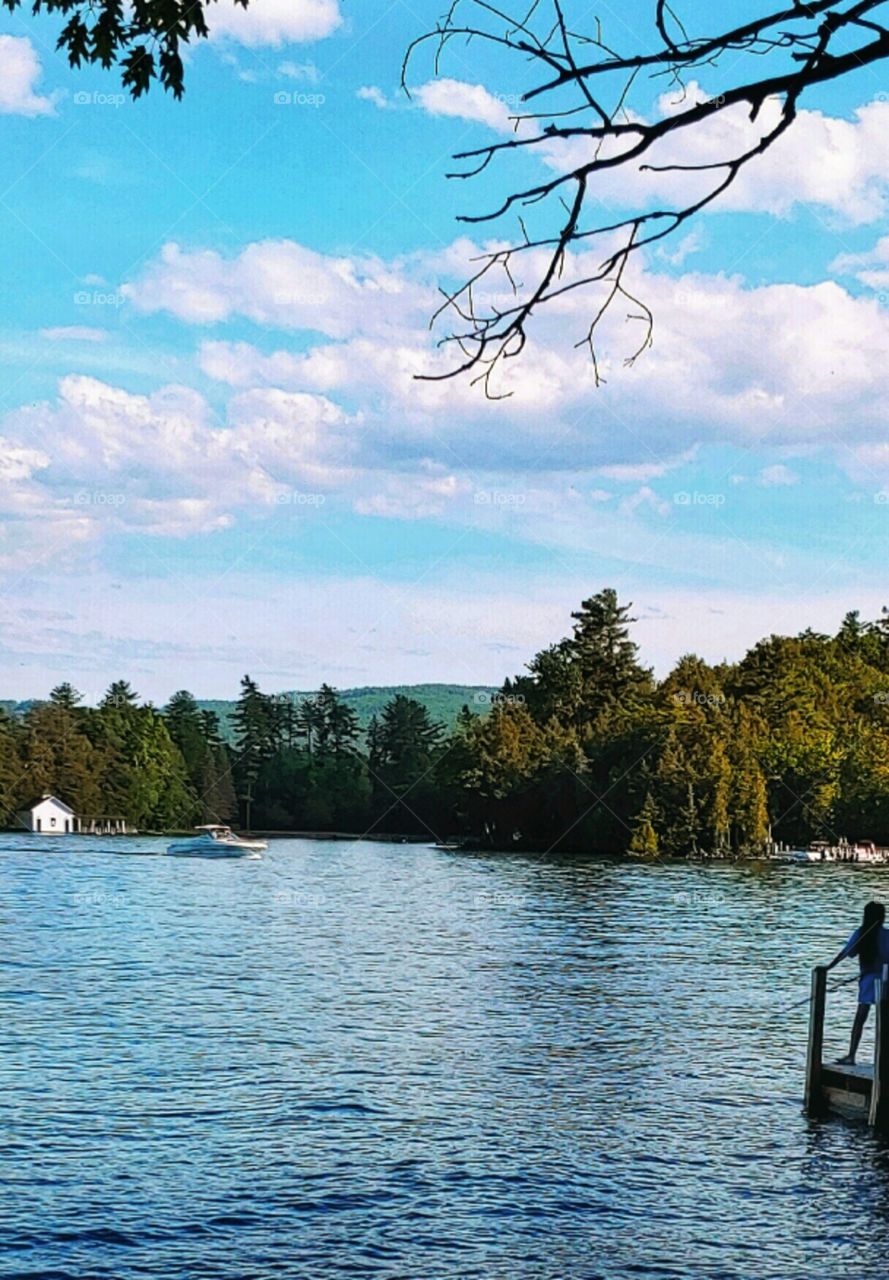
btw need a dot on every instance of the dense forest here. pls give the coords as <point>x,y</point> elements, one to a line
<point>583,751</point>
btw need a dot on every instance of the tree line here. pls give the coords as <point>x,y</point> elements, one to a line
<point>294,763</point>
<point>585,750</point>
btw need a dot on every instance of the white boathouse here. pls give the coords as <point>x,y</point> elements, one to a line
<point>47,815</point>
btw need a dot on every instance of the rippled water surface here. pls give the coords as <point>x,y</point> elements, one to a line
<point>360,1059</point>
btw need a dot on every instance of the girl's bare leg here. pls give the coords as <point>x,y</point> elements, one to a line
<point>855,1039</point>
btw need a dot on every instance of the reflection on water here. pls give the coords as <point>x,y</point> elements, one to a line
<point>391,1061</point>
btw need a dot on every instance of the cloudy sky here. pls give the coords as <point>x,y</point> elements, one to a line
<point>215,457</point>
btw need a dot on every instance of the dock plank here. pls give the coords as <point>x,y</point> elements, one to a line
<point>860,1071</point>
<point>858,1079</point>
<point>860,1091</point>
<point>848,1090</point>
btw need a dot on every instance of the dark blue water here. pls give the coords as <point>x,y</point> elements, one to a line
<point>389,1061</point>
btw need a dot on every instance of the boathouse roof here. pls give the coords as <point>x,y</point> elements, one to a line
<point>32,804</point>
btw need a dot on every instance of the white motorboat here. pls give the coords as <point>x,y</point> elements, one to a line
<point>797,855</point>
<point>214,841</point>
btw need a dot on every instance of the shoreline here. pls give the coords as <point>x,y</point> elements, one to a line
<point>466,845</point>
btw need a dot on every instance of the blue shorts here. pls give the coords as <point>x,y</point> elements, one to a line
<point>866,988</point>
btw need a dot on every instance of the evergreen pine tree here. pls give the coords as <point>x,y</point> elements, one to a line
<point>644,839</point>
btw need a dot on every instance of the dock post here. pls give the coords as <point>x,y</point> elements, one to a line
<point>879,1098</point>
<point>816,1040</point>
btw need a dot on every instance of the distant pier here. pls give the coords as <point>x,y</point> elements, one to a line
<point>860,851</point>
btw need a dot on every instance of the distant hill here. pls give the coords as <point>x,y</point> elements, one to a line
<point>442,701</point>
<point>13,708</point>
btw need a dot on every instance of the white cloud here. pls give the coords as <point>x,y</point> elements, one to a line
<point>645,497</point>
<point>723,623</point>
<point>34,529</point>
<point>74,333</point>
<point>388,632</point>
<point>785,364</point>
<point>643,471</point>
<point>275,22</point>
<point>305,72</point>
<point>676,255</point>
<point>839,165</point>
<point>176,517</point>
<point>870,268</point>
<point>473,102</point>
<point>411,497</point>
<point>160,464</point>
<point>477,628</point>
<point>370,93</point>
<point>18,462</point>
<point>457,100</point>
<point>20,72</point>
<point>278,283</point>
<point>778,476</point>
<point>292,436</point>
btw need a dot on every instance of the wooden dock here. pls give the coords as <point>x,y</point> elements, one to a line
<point>860,1092</point>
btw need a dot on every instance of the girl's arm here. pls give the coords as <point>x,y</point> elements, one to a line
<point>841,955</point>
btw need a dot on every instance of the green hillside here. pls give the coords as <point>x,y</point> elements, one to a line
<point>442,701</point>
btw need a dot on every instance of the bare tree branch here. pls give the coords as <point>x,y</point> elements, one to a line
<point>806,42</point>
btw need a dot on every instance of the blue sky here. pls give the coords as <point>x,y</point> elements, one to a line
<point>215,456</point>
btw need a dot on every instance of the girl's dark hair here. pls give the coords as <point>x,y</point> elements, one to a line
<point>868,948</point>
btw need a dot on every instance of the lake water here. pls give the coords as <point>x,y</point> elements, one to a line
<point>373,1060</point>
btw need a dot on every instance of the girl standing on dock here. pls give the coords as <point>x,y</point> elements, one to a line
<point>870,943</point>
